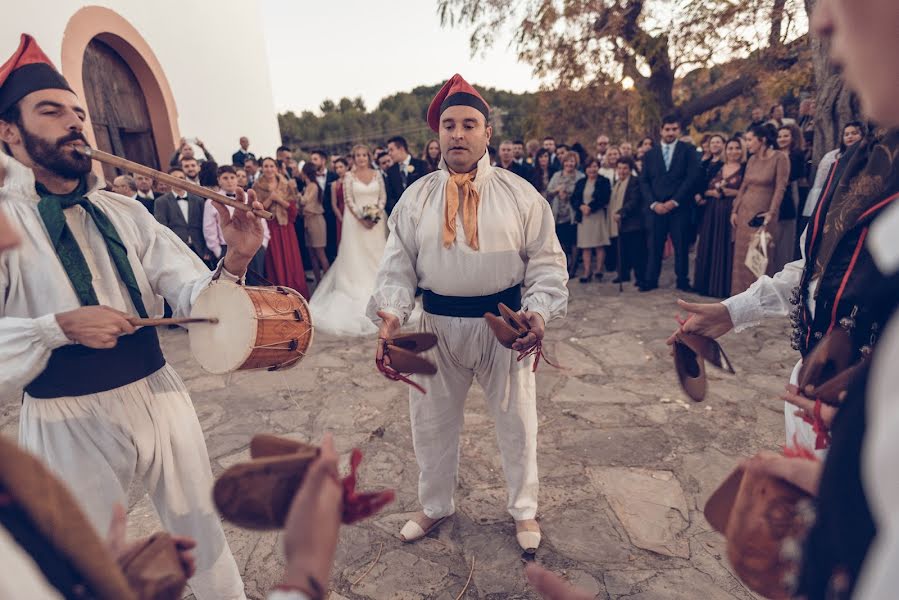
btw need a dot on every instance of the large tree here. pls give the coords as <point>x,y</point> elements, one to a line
<point>836,104</point>
<point>580,43</point>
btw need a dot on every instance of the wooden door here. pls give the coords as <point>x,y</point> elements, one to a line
<point>117,107</point>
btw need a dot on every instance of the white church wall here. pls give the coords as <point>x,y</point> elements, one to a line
<point>212,52</point>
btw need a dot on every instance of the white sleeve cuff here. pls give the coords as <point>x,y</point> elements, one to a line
<point>222,273</point>
<point>744,311</point>
<point>401,314</point>
<point>50,332</point>
<point>540,310</point>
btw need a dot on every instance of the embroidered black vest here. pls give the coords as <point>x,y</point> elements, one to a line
<point>838,542</point>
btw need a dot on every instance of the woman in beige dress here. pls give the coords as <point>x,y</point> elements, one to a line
<point>589,201</point>
<point>760,195</point>
<point>314,222</point>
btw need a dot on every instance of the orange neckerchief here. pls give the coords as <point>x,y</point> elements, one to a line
<point>470,201</point>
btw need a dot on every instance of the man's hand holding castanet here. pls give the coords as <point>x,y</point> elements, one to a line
<point>242,232</point>
<point>709,320</point>
<point>310,533</point>
<point>535,334</point>
<point>94,326</point>
<point>390,328</point>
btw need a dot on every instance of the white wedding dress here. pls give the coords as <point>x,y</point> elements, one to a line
<point>338,303</point>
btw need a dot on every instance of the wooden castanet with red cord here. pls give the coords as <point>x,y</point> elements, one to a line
<point>510,327</point>
<point>399,357</point>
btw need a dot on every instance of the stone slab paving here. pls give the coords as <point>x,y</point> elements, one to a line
<point>626,460</point>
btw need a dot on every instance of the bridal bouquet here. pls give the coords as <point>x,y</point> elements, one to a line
<point>371,213</point>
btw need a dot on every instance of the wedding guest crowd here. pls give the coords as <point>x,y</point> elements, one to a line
<point>623,208</point>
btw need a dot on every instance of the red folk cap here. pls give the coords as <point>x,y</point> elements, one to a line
<point>455,92</point>
<point>27,70</point>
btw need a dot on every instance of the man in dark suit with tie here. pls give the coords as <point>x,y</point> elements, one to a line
<point>405,171</point>
<point>183,214</point>
<point>669,174</point>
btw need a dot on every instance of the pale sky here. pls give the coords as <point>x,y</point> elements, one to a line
<point>373,48</point>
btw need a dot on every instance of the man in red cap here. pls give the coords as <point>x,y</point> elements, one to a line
<point>471,236</point>
<point>101,406</point>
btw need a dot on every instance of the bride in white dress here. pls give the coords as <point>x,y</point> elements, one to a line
<point>338,303</point>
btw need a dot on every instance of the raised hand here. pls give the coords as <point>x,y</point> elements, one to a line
<point>310,533</point>
<point>242,232</point>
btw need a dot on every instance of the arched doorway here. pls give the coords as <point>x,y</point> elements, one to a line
<point>118,108</point>
<point>99,24</point>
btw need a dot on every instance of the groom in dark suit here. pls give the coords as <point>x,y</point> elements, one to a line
<point>405,171</point>
<point>670,171</point>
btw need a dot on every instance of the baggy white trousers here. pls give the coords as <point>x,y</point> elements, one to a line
<point>467,349</point>
<point>147,430</point>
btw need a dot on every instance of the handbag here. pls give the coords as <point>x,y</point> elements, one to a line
<point>757,254</point>
<point>153,569</point>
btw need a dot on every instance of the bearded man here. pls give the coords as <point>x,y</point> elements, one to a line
<point>101,406</point>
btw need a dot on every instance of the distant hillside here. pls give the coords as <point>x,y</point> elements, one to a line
<point>571,116</point>
<point>346,122</point>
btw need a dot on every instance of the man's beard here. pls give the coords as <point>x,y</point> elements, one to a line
<point>69,164</point>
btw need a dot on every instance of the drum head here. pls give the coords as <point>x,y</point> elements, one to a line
<point>224,346</point>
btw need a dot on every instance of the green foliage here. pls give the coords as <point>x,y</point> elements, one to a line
<point>346,122</point>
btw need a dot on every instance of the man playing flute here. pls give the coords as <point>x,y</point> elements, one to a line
<point>101,406</point>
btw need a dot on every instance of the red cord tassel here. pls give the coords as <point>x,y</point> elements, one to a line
<point>358,506</point>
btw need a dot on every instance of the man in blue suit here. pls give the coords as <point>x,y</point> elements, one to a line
<point>669,175</point>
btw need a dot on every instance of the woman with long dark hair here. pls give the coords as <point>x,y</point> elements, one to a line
<point>715,248</point>
<point>758,202</point>
<point>431,155</point>
<point>314,221</point>
<point>541,174</point>
<point>853,133</point>
<point>790,142</point>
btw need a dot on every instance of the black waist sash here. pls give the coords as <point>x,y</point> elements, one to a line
<point>471,307</point>
<point>77,370</point>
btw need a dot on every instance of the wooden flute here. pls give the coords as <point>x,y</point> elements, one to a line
<point>133,167</point>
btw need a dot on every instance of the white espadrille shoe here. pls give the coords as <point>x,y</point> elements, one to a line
<point>527,533</point>
<point>414,529</point>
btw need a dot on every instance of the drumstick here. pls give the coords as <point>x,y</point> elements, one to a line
<point>174,321</point>
<point>183,184</point>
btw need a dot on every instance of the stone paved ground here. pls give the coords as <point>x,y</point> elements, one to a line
<point>626,461</point>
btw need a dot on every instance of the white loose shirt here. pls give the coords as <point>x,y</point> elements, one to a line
<point>34,285</point>
<point>770,296</point>
<point>517,240</point>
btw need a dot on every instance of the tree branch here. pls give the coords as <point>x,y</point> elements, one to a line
<point>727,92</point>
